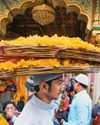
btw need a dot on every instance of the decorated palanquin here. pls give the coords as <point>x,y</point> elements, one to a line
<point>35,55</point>
<point>32,55</point>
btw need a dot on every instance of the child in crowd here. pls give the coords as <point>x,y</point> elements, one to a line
<point>10,111</point>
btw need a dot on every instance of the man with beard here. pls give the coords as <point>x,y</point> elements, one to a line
<point>81,106</point>
<point>39,110</point>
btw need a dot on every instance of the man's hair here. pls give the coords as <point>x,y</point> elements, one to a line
<point>37,89</point>
<point>49,84</point>
<point>84,86</point>
<point>8,102</point>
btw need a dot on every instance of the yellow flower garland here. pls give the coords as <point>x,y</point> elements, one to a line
<point>10,66</point>
<point>64,42</point>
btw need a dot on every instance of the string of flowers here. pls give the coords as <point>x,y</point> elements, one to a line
<point>10,66</point>
<point>64,42</point>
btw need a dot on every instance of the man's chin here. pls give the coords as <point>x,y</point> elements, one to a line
<point>55,98</point>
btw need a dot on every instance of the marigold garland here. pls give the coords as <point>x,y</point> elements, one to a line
<point>65,42</point>
<point>10,66</point>
<point>74,63</point>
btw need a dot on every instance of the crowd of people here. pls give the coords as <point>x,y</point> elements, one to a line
<point>49,104</point>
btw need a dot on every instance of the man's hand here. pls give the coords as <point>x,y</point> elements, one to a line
<point>61,121</point>
<point>16,113</point>
<point>9,114</point>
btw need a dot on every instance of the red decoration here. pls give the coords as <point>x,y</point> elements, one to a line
<point>4,84</point>
<point>2,88</point>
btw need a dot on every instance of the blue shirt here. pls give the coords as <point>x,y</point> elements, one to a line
<point>36,112</point>
<point>80,110</point>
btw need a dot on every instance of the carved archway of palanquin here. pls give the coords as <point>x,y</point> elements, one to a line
<point>73,7</point>
<point>82,16</point>
<point>20,9</point>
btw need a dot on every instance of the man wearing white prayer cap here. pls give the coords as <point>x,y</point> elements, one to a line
<point>81,106</point>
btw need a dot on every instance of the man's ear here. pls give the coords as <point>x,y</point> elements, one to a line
<point>43,86</point>
<point>78,84</point>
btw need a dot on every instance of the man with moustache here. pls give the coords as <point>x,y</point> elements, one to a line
<point>81,106</point>
<point>39,110</point>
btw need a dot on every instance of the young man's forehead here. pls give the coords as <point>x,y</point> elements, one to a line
<point>9,105</point>
<point>59,79</point>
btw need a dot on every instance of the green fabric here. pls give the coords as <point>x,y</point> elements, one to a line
<point>96,27</point>
<point>3,85</point>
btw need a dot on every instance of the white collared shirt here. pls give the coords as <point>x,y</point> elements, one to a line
<point>36,112</point>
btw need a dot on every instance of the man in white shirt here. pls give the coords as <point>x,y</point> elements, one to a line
<point>39,110</point>
<point>81,106</point>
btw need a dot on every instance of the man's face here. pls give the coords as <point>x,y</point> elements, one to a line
<point>10,107</point>
<point>76,86</point>
<point>56,87</point>
<point>9,111</point>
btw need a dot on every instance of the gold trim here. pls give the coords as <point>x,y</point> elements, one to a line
<point>89,25</point>
<point>43,7</point>
<point>16,10</point>
<point>26,4</point>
